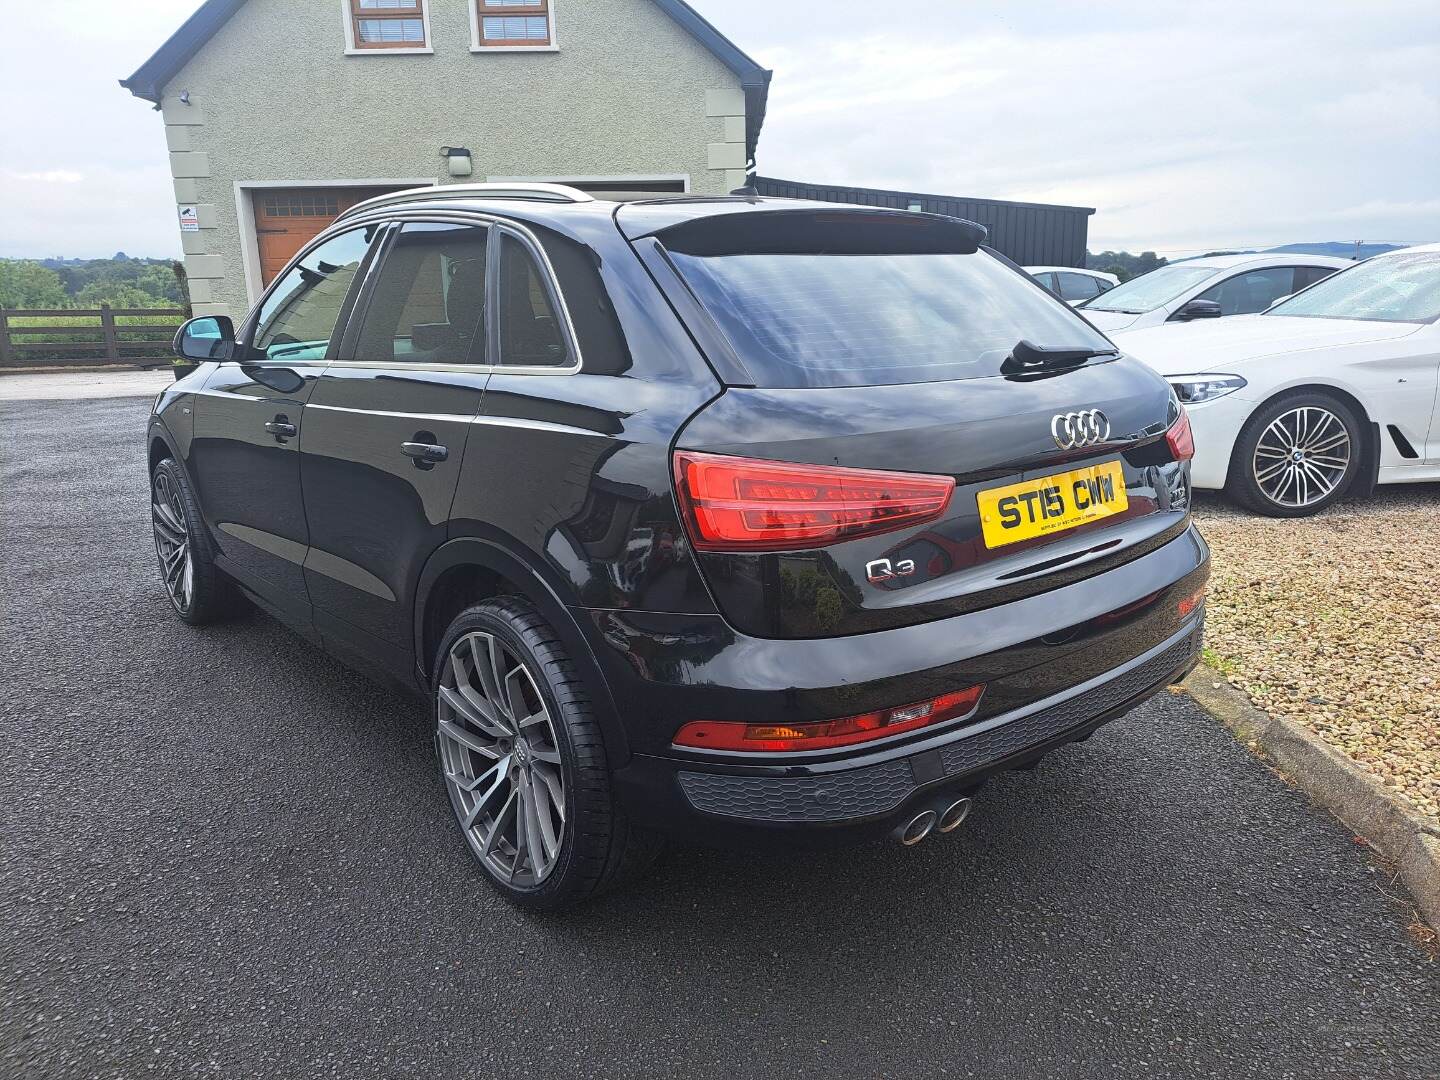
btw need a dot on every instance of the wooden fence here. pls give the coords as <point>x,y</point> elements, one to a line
<point>28,337</point>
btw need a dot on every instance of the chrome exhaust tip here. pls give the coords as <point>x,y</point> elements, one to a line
<point>917,828</point>
<point>954,815</point>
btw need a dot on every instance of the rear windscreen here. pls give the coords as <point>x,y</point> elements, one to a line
<point>867,301</point>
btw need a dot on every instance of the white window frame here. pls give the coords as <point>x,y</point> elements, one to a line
<point>351,49</point>
<point>477,47</point>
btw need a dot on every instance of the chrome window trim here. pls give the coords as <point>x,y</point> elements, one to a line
<point>497,226</point>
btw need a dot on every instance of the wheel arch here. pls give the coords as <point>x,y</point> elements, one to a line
<point>1367,477</point>
<point>467,570</point>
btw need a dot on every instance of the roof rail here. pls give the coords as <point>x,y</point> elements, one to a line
<point>555,193</point>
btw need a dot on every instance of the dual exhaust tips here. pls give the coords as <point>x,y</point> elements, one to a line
<point>946,819</point>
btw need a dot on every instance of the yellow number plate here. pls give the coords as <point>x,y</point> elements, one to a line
<point>1051,504</point>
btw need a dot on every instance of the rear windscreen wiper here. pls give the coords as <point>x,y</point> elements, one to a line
<point>1029,359</point>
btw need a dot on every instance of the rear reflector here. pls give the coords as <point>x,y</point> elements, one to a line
<point>741,504</point>
<point>771,738</point>
<point>1181,438</point>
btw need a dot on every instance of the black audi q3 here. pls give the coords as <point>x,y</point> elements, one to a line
<point>736,519</point>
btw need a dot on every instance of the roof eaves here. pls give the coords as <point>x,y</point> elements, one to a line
<point>150,77</point>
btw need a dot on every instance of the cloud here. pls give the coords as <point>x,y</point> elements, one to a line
<point>54,176</point>
<point>1187,126</point>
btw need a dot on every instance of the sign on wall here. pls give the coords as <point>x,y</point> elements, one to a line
<point>189,219</point>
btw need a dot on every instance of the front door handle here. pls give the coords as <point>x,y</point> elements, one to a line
<point>281,428</point>
<point>426,455</point>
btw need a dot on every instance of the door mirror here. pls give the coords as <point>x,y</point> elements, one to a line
<point>1280,300</point>
<point>1198,309</point>
<point>206,338</point>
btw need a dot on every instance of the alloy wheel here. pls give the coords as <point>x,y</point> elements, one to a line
<point>1302,456</point>
<point>501,761</point>
<point>172,541</point>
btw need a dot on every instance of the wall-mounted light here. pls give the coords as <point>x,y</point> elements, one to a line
<point>457,159</point>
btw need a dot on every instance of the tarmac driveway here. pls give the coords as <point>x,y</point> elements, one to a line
<point>226,855</point>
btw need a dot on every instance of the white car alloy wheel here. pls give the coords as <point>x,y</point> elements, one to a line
<point>1302,457</point>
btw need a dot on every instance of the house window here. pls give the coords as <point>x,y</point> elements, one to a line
<point>388,24</point>
<point>514,24</point>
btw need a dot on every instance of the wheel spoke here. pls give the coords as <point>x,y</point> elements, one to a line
<point>474,709</point>
<point>484,655</point>
<point>497,830</point>
<point>554,790</point>
<point>534,832</point>
<point>515,682</point>
<point>497,774</point>
<point>457,734</point>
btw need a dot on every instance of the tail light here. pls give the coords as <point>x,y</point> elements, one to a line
<point>1181,438</point>
<point>770,738</point>
<point>740,504</point>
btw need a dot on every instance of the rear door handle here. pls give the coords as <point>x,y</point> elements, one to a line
<point>280,429</point>
<point>426,455</point>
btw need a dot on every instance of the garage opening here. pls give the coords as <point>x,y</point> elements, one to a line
<point>286,219</point>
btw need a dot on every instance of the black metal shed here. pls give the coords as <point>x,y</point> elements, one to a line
<point>1032,234</point>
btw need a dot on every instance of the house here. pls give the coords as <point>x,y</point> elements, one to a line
<point>279,114</point>
<point>1031,234</point>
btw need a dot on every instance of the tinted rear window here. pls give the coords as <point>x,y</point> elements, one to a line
<point>865,300</point>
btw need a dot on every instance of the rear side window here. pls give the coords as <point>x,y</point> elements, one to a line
<point>1305,276</point>
<point>530,330</point>
<point>852,299</point>
<point>1078,286</point>
<point>428,304</point>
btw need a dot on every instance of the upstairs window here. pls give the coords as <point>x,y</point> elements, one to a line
<point>514,24</point>
<point>388,24</point>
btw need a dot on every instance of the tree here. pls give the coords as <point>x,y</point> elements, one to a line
<point>118,294</point>
<point>26,284</point>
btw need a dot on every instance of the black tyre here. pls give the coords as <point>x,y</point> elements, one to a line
<point>523,760</point>
<point>198,592</point>
<point>1296,455</point>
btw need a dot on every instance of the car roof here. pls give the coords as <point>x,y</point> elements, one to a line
<point>1416,249</point>
<point>1262,258</point>
<point>556,205</point>
<point>1067,270</point>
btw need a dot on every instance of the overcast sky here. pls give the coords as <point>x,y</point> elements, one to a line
<point>1189,126</point>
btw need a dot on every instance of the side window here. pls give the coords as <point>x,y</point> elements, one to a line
<point>428,304</point>
<point>1047,279</point>
<point>1255,290</point>
<point>1077,286</point>
<point>530,331</point>
<point>1305,276</point>
<point>297,319</point>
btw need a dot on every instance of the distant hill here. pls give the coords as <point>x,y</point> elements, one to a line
<point>1339,248</point>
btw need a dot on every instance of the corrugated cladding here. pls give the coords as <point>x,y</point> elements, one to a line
<point>1032,234</point>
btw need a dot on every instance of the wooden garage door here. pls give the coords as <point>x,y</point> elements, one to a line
<point>288,218</point>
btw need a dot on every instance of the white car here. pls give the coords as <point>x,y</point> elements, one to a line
<point>1072,284</point>
<point>1207,288</point>
<point>1335,389</point>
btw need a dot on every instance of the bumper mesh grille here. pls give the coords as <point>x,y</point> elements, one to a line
<point>875,789</point>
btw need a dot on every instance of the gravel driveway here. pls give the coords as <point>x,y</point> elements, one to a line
<point>225,855</point>
<point>1334,622</point>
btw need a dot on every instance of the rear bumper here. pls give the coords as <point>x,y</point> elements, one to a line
<point>844,800</point>
<point>1056,666</point>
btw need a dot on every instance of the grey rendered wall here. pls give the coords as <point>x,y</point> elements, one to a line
<point>274,97</point>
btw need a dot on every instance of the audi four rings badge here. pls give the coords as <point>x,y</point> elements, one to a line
<point>1074,429</point>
